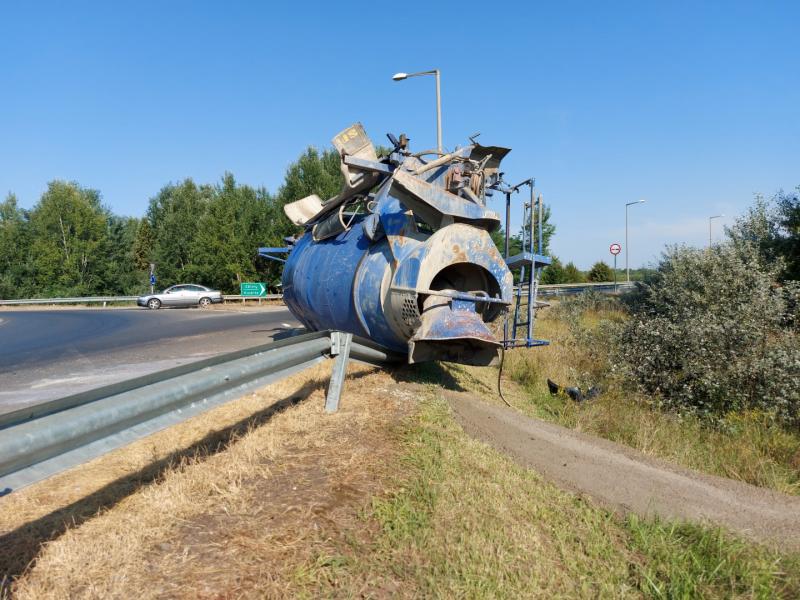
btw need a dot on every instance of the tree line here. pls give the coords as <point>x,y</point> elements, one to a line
<point>71,244</point>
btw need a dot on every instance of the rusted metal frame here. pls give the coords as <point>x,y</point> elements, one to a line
<point>442,160</point>
<point>428,200</point>
<point>368,165</point>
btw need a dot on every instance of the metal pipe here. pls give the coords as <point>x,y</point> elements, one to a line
<point>709,227</point>
<point>436,73</point>
<point>533,265</point>
<point>541,234</point>
<point>435,163</point>
<point>438,110</point>
<point>454,295</point>
<point>507,256</point>
<point>627,268</point>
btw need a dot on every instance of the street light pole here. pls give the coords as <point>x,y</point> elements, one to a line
<point>627,268</point>
<point>434,72</point>
<point>709,227</point>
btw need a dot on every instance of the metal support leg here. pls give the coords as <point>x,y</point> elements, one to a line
<point>340,350</point>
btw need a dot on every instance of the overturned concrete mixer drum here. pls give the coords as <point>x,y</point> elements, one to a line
<point>403,255</point>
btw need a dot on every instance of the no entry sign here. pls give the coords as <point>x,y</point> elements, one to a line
<point>615,248</point>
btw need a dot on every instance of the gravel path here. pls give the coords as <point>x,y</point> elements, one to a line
<point>626,480</point>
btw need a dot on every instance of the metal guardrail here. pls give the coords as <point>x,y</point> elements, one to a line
<point>106,299</point>
<point>226,298</point>
<point>561,289</point>
<point>39,441</point>
<point>569,289</point>
<point>80,300</point>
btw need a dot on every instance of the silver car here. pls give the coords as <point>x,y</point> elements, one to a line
<point>188,294</point>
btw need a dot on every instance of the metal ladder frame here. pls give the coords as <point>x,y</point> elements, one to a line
<point>531,262</point>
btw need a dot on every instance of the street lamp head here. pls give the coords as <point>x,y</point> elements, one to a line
<point>642,200</point>
<point>399,76</point>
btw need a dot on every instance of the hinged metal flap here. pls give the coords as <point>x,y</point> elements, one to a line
<point>301,211</point>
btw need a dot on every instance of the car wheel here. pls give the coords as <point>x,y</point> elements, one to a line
<point>205,302</point>
<point>154,303</point>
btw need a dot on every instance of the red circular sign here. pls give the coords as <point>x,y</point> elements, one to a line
<point>615,248</point>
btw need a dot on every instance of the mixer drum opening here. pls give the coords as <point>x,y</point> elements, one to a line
<point>470,279</point>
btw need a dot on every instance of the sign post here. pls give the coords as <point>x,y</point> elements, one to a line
<point>615,249</point>
<point>152,277</point>
<point>252,290</point>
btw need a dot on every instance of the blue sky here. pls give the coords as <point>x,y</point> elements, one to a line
<point>694,106</point>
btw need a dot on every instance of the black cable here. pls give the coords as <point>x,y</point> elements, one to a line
<point>500,374</point>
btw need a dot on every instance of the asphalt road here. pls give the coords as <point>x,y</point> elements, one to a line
<point>46,354</point>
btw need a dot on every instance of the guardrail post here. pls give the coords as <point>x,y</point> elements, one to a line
<point>340,350</point>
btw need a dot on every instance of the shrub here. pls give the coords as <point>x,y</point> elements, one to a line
<point>590,319</point>
<point>600,272</point>
<point>573,274</point>
<point>713,333</point>
<point>553,273</point>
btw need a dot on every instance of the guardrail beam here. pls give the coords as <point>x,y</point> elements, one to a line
<point>39,441</point>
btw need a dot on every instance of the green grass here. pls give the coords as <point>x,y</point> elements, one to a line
<point>689,561</point>
<point>465,521</point>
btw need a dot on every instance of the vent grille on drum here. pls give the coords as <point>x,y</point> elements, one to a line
<point>409,311</point>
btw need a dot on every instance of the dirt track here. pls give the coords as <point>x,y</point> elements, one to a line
<point>625,480</point>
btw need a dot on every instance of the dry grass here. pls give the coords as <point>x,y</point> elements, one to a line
<point>193,512</point>
<point>387,498</point>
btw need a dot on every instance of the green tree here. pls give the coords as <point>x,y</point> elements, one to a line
<point>553,274</point>
<point>143,245</point>
<point>600,272</point>
<point>515,241</point>
<point>238,220</point>
<point>15,244</point>
<point>175,214</point>
<point>122,275</point>
<point>774,228</point>
<point>312,173</point>
<point>789,227</point>
<point>573,274</point>
<point>69,249</point>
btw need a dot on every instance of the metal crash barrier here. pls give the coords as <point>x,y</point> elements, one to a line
<point>39,441</point>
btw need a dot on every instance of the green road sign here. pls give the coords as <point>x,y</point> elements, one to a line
<point>253,289</point>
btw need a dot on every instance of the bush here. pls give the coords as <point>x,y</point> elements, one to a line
<point>713,333</point>
<point>600,272</point>
<point>553,273</point>
<point>573,274</point>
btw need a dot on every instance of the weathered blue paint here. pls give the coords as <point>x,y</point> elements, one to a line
<point>318,281</point>
<point>412,273</point>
